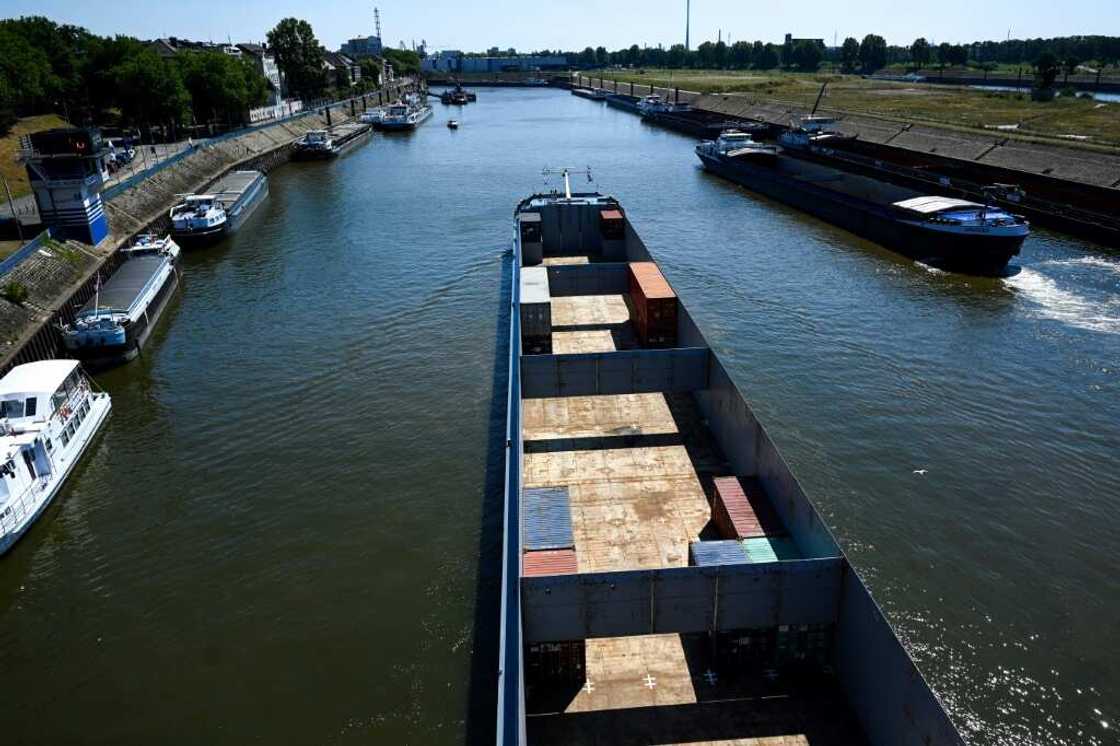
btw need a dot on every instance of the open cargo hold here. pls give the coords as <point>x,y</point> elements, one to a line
<point>549,562</point>
<point>556,661</point>
<point>536,311</point>
<point>546,519</point>
<point>655,305</point>
<point>740,513</point>
<point>750,650</point>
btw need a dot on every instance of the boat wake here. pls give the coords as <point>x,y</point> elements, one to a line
<point>1065,306</point>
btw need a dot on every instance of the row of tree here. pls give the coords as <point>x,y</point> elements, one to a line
<point>867,55</point>
<point>48,67</point>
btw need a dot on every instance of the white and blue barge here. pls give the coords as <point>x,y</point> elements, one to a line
<point>116,322</point>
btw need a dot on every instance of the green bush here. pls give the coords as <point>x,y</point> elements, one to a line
<point>16,292</point>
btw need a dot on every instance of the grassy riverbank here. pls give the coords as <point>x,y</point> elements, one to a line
<point>1065,118</point>
<point>12,170</point>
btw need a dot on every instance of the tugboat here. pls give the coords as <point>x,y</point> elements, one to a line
<point>113,326</point>
<point>943,232</point>
<point>457,96</point>
<point>810,131</point>
<point>452,124</point>
<point>48,417</point>
<point>735,143</point>
<point>315,144</point>
<point>813,130</point>
<point>207,218</point>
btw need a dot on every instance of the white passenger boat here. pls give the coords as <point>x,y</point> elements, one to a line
<point>405,115</point>
<point>372,116</point>
<point>48,417</point>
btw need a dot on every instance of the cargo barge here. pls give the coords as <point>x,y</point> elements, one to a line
<point>328,143</point>
<point>703,124</point>
<point>943,232</point>
<point>116,322</point>
<point>202,219</point>
<point>623,101</point>
<point>665,578</point>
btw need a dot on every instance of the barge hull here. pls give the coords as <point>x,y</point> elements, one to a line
<point>983,255</point>
<point>617,652</point>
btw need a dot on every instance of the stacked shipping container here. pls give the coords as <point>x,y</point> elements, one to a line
<point>536,311</point>
<point>654,304</point>
<point>546,532</point>
<point>740,513</point>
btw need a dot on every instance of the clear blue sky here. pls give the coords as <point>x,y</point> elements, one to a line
<point>575,24</point>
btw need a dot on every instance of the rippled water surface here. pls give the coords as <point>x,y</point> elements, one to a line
<point>288,531</point>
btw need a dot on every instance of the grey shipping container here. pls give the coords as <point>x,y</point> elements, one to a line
<point>546,519</point>
<point>723,552</point>
<point>536,304</point>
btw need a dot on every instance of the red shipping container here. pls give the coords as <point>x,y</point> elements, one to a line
<point>549,562</point>
<point>743,513</point>
<point>612,225</point>
<point>655,305</point>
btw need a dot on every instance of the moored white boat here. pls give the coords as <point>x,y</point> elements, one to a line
<point>49,415</point>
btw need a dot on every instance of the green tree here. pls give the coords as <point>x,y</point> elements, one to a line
<point>222,88</point>
<point>807,55</point>
<point>371,72</point>
<point>920,52</point>
<point>404,62</point>
<point>601,57</point>
<point>26,79</point>
<point>849,55</point>
<point>587,57</point>
<point>1069,66</point>
<point>766,58</point>
<point>150,90</point>
<point>299,57</point>
<point>872,53</point>
<point>676,56</point>
<point>720,55</point>
<point>740,54</point>
<point>1046,70</point>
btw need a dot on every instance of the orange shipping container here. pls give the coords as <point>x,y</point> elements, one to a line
<point>549,562</point>
<point>655,305</point>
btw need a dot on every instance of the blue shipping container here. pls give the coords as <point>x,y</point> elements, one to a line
<point>724,552</point>
<point>546,519</point>
<point>770,549</point>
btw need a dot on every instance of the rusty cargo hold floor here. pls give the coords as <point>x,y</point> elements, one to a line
<point>661,689</point>
<point>634,465</point>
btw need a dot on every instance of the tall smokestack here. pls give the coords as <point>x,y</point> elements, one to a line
<point>687,18</point>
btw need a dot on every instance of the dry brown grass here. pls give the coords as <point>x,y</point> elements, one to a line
<point>12,170</point>
<point>1066,118</point>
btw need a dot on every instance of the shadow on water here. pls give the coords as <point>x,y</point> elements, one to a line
<point>482,699</point>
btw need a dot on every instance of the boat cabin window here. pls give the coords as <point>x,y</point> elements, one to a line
<point>11,408</point>
<point>30,406</point>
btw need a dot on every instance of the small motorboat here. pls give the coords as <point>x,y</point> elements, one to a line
<point>452,124</point>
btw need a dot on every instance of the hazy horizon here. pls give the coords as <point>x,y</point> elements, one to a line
<point>576,24</point>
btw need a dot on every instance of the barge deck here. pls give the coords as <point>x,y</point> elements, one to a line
<point>627,443</point>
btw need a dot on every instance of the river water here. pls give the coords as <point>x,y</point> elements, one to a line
<point>288,532</point>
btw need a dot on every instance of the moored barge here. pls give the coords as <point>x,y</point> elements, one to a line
<point>202,219</point>
<point>666,579</point>
<point>116,322</point>
<point>943,232</point>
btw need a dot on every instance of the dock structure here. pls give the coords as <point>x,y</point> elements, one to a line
<point>776,641</point>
